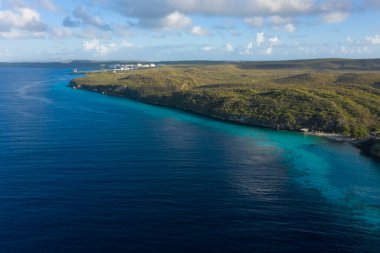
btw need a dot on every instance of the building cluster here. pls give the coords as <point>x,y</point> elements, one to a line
<point>123,67</point>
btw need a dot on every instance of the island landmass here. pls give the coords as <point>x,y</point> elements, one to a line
<point>333,97</point>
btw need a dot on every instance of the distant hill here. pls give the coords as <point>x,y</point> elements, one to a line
<point>315,64</point>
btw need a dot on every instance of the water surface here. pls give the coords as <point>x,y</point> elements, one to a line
<point>83,172</point>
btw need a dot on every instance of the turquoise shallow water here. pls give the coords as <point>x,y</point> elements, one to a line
<point>85,172</point>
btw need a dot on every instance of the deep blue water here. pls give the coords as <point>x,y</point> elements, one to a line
<point>83,172</point>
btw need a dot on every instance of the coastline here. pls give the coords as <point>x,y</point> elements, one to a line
<point>371,148</point>
<point>332,136</point>
<point>232,120</point>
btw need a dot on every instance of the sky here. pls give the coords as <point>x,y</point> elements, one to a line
<point>155,30</point>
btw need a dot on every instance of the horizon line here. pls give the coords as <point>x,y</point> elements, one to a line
<point>194,60</point>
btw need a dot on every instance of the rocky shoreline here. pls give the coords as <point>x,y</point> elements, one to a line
<point>370,146</point>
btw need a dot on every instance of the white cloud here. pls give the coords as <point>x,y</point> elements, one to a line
<point>286,22</point>
<point>175,20</point>
<point>274,41</point>
<point>104,48</point>
<point>82,17</point>
<point>373,40</point>
<point>199,31</point>
<point>229,47</point>
<point>268,51</point>
<point>96,46</point>
<point>335,17</point>
<point>16,34</point>
<point>21,23</point>
<point>11,35</point>
<point>248,50</point>
<point>260,38</point>
<point>21,18</point>
<point>61,33</point>
<point>126,44</point>
<point>254,22</point>
<point>278,20</point>
<point>290,28</point>
<point>280,13</point>
<point>208,48</point>
<point>241,8</point>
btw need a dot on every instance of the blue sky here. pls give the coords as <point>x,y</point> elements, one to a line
<point>153,30</point>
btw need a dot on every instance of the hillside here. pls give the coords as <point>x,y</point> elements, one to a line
<point>334,100</point>
<point>317,64</point>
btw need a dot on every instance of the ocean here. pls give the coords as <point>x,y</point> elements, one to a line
<point>85,172</point>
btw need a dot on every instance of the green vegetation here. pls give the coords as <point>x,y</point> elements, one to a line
<point>277,95</point>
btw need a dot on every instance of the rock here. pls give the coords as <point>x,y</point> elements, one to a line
<point>370,146</point>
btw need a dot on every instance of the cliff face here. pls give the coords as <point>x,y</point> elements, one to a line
<point>370,146</point>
